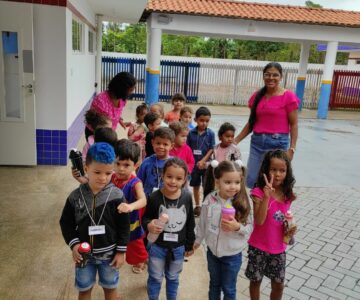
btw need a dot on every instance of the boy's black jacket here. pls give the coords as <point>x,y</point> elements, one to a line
<point>75,219</point>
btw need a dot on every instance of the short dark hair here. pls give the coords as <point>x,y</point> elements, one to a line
<point>178,127</point>
<point>225,127</point>
<point>120,84</point>
<point>150,118</point>
<point>105,135</point>
<point>126,149</point>
<point>164,133</point>
<point>100,152</point>
<point>95,119</point>
<point>178,96</point>
<point>140,108</point>
<point>202,111</point>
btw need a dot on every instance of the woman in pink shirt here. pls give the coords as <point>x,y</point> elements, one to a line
<point>272,198</point>
<point>273,118</point>
<point>112,101</point>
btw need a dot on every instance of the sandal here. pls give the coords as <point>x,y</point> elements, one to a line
<point>197,211</point>
<point>138,269</point>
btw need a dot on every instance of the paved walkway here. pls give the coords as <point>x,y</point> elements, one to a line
<point>323,264</point>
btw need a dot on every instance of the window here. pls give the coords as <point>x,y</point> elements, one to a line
<point>91,41</point>
<point>77,33</point>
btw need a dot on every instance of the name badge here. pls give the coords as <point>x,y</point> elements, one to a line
<point>155,189</point>
<point>214,229</point>
<point>96,230</point>
<point>171,237</point>
<point>197,152</point>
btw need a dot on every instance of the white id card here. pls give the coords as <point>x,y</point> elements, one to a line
<point>171,237</point>
<point>155,189</point>
<point>214,228</point>
<point>96,230</point>
<point>197,152</point>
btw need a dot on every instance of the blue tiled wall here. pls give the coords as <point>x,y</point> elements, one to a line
<point>51,147</point>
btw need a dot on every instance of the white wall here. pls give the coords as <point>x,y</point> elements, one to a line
<point>50,67</point>
<point>80,72</point>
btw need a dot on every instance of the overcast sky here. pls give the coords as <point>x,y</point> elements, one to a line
<point>337,4</point>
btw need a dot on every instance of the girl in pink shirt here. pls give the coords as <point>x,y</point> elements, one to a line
<point>181,149</point>
<point>112,101</point>
<point>272,198</point>
<point>273,118</point>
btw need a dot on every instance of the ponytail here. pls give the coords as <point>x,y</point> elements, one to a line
<point>252,118</point>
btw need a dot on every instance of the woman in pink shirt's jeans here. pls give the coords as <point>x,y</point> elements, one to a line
<point>273,117</point>
<point>112,101</point>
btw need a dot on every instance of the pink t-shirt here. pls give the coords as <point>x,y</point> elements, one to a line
<point>103,104</point>
<point>272,113</point>
<point>268,237</point>
<point>184,152</point>
<point>172,116</point>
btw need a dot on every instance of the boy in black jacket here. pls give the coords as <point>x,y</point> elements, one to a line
<point>90,215</point>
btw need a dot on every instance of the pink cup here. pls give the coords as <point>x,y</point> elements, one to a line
<point>227,213</point>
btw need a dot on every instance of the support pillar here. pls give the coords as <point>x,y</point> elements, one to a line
<point>329,65</point>
<point>301,79</point>
<point>98,54</point>
<point>152,79</point>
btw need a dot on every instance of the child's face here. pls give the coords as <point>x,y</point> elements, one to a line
<point>178,104</point>
<point>161,147</point>
<point>278,170</point>
<point>180,139</point>
<point>186,117</point>
<point>174,178</point>
<point>152,127</point>
<point>157,109</point>
<point>141,116</point>
<point>124,168</point>
<point>99,175</point>
<point>202,122</point>
<point>227,138</point>
<point>229,184</point>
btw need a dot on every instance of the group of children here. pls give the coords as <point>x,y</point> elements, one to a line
<point>113,209</point>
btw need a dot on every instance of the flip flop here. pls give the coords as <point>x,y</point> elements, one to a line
<point>138,270</point>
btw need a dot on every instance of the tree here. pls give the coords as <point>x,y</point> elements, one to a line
<point>312,4</point>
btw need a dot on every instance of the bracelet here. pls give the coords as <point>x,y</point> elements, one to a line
<point>292,149</point>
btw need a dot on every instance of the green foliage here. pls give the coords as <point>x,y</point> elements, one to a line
<point>132,39</point>
<point>312,4</point>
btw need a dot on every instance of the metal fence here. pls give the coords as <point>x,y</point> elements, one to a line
<point>345,90</point>
<point>209,83</point>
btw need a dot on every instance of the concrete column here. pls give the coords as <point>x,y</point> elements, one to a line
<point>152,78</point>
<point>98,53</point>
<point>301,79</point>
<point>329,65</point>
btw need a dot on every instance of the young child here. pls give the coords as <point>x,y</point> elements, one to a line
<point>151,168</point>
<point>178,102</point>
<point>90,215</point>
<point>201,140</point>
<point>166,254</point>
<point>186,114</point>
<point>136,130</point>
<point>127,160</point>
<point>225,237</point>
<point>181,149</point>
<point>225,150</point>
<point>272,198</point>
<point>158,108</point>
<point>94,120</point>
<point>152,121</point>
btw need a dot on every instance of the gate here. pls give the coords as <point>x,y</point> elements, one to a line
<point>345,90</point>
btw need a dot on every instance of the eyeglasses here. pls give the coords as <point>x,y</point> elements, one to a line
<point>271,75</point>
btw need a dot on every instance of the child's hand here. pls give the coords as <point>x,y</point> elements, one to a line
<point>124,208</point>
<point>76,174</point>
<point>121,122</point>
<point>291,232</point>
<point>268,188</point>
<point>196,246</point>
<point>189,253</point>
<point>201,164</point>
<point>153,228</point>
<point>230,225</point>
<point>127,124</point>
<point>118,260</point>
<point>77,258</point>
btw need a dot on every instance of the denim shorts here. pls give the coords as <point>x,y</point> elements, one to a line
<point>260,144</point>
<point>85,277</point>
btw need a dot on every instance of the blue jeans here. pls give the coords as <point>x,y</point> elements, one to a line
<point>223,275</point>
<point>260,144</point>
<point>157,269</point>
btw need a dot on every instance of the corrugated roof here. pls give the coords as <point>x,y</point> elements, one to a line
<point>255,11</point>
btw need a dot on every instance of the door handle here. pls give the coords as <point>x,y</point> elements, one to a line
<point>28,86</point>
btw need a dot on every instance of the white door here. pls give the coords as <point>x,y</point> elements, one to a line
<point>17,98</point>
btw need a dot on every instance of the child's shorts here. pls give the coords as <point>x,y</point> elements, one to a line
<point>85,277</point>
<point>261,263</point>
<point>197,177</point>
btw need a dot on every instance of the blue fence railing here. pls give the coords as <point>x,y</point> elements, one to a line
<point>175,77</point>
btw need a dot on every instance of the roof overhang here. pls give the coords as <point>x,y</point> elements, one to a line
<point>122,11</point>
